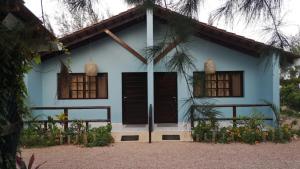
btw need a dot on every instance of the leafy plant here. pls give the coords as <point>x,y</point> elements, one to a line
<point>290,113</point>
<point>62,117</point>
<point>297,132</point>
<point>290,93</point>
<point>22,165</point>
<point>207,126</point>
<point>76,131</point>
<point>17,57</point>
<point>202,132</point>
<point>204,111</point>
<point>33,135</point>
<point>100,136</point>
<point>276,110</point>
<point>250,131</point>
<point>77,127</point>
<point>252,136</point>
<point>224,135</point>
<point>255,121</point>
<point>282,134</point>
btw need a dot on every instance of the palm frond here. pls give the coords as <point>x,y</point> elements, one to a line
<point>146,4</point>
<point>226,11</point>
<point>189,8</point>
<point>181,62</point>
<point>250,10</point>
<point>81,6</point>
<point>254,10</point>
<point>275,110</point>
<point>154,50</point>
<point>200,109</point>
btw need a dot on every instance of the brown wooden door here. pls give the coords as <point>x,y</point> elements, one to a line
<point>165,97</point>
<point>134,98</point>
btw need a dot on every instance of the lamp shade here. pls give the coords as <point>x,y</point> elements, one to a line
<point>91,69</point>
<point>209,67</point>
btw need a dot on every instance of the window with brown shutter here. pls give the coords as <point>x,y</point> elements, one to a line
<point>80,86</point>
<point>220,84</point>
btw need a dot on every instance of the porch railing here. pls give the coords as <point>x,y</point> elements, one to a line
<point>150,123</point>
<point>66,113</point>
<point>234,107</point>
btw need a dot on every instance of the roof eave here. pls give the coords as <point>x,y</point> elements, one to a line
<point>220,36</point>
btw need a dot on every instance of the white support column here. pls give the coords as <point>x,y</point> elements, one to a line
<point>150,66</point>
<point>276,81</point>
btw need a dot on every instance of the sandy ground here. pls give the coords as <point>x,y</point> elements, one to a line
<point>170,155</point>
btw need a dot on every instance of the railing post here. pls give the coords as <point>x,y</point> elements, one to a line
<point>45,125</point>
<point>150,123</point>
<point>66,119</point>
<point>86,125</point>
<point>108,115</point>
<point>192,117</point>
<point>234,115</point>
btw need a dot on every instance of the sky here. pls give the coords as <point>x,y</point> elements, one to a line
<point>290,12</point>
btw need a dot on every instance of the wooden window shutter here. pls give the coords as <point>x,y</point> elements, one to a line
<point>237,86</point>
<point>102,85</point>
<point>63,87</point>
<point>80,86</point>
<point>198,84</point>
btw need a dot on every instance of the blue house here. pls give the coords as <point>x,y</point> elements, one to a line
<point>127,84</point>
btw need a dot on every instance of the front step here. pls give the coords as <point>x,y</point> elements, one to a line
<point>143,136</point>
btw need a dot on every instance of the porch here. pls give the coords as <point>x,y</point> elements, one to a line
<point>150,131</point>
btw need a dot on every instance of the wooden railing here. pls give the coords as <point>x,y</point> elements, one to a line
<point>234,112</point>
<point>66,113</point>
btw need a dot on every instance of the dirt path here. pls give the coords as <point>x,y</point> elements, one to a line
<point>170,155</point>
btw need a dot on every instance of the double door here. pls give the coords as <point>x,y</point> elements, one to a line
<point>135,103</point>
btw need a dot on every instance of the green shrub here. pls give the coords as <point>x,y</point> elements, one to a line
<point>291,113</point>
<point>35,136</point>
<point>236,133</point>
<point>30,138</point>
<point>100,136</point>
<point>296,132</point>
<point>270,135</point>
<point>252,136</point>
<point>224,135</point>
<point>202,132</point>
<point>255,121</point>
<point>290,93</point>
<point>282,134</point>
<point>75,131</point>
<point>250,131</point>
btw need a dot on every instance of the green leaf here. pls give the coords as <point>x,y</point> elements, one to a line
<point>37,59</point>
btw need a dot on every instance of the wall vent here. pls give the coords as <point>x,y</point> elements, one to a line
<point>170,137</point>
<point>130,138</point>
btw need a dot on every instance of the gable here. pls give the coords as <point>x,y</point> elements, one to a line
<point>137,15</point>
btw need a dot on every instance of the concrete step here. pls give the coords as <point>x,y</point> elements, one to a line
<point>143,136</point>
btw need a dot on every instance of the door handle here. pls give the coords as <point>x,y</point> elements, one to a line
<point>174,97</point>
<point>124,97</point>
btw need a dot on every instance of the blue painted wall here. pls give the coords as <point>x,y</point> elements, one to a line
<point>261,75</point>
<point>33,81</point>
<point>111,58</point>
<point>259,83</point>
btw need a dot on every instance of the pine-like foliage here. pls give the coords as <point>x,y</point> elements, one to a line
<point>17,54</point>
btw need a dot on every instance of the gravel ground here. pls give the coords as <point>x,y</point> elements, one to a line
<point>170,155</point>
